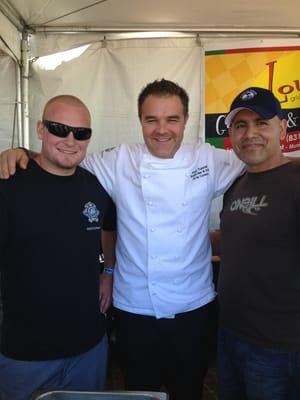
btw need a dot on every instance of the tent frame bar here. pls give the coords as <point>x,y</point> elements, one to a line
<point>211,32</point>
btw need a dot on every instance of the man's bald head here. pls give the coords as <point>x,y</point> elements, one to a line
<point>66,101</point>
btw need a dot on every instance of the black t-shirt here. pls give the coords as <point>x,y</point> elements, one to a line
<point>259,282</point>
<point>49,247</point>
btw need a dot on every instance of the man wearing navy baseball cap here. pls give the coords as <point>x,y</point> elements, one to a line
<point>260,100</point>
<point>259,282</point>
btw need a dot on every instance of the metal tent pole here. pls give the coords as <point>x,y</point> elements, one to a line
<point>25,54</point>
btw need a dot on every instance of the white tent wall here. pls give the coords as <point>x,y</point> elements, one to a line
<point>43,44</point>
<point>7,102</point>
<point>108,77</point>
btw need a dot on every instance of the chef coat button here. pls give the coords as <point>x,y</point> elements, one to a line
<point>152,229</point>
<point>149,203</point>
<point>184,203</point>
<point>145,176</point>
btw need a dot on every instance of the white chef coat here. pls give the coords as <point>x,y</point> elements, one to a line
<point>163,248</point>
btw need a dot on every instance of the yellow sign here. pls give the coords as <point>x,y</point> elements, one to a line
<point>229,72</point>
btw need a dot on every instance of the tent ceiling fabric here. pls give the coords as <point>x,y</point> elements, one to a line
<point>10,38</point>
<point>122,15</point>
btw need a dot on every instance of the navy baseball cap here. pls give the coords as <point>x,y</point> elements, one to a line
<point>260,100</point>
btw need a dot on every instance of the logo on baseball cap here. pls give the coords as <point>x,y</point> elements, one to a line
<point>260,100</point>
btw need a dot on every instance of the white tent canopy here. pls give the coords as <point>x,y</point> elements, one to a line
<point>172,15</point>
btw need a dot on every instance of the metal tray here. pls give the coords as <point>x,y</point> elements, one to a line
<point>105,395</point>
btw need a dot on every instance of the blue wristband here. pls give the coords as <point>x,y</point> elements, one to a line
<point>108,270</point>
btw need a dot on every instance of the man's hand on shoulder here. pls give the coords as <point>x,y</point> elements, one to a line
<point>9,159</point>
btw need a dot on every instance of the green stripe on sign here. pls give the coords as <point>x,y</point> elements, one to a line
<point>214,52</point>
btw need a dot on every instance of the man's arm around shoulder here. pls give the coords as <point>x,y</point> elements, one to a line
<point>10,158</point>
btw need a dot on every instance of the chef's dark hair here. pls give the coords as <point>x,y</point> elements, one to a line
<point>163,87</point>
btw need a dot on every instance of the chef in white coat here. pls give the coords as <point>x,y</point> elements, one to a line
<point>163,290</point>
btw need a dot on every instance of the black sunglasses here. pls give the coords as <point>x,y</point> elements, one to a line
<point>62,130</point>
